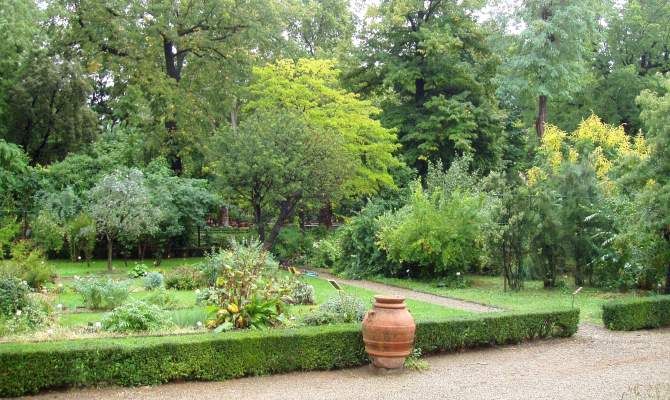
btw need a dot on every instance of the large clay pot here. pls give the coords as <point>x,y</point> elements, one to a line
<point>388,332</point>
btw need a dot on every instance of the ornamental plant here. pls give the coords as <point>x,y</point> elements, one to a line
<point>247,291</point>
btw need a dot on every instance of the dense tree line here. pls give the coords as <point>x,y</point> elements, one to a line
<point>534,133</point>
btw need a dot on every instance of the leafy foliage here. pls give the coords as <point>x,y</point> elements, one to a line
<point>101,294</point>
<point>337,309</point>
<point>135,316</point>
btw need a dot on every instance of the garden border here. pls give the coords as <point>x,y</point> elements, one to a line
<point>638,313</point>
<point>31,367</point>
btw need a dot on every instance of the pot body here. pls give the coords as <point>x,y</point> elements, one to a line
<point>388,332</point>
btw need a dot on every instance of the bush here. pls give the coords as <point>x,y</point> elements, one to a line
<point>184,278</point>
<point>162,298</point>
<point>28,264</point>
<point>136,316</point>
<point>18,312</point>
<point>292,244</point>
<point>338,309</point>
<point>632,314</point>
<point>138,271</point>
<point>301,293</point>
<point>326,253</point>
<point>31,367</point>
<point>361,256</point>
<point>436,233</point>
<point>14,295</point>
<point>246,288</point>
<point>101,294</point>
<point>153,280</point>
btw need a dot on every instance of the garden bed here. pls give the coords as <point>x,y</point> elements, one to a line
<point>31,367</point>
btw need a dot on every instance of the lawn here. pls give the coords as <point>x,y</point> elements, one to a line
<point>533,297</point>
<point>187,313</point>
<point>66,268</point>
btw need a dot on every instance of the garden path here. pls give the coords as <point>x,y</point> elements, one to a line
<point>411,294</point>
<point>594,364</point>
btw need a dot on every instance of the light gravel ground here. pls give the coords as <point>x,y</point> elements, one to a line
<point>594,364</point>
<point>381,288</point>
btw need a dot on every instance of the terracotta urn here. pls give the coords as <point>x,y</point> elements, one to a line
<point>388,332</point>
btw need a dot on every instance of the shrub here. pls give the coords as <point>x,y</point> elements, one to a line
<point>153,280</point>
<point>184,278</point>
<point>14,295</point>
<point>301,293</point>
<point>100,294</point>
<point>28,264</point>
<point>162,298</point>
<point>246,288</point>
<point>31,367</point>
<point>326,253</point>
<point>136,316</point>
<point>18,312</point>
<point>632,314</point>
<point>138,271</point>
<point>361,256</point>
<point>338,309</point>
<point>292,244</point>
<point>435,233</point>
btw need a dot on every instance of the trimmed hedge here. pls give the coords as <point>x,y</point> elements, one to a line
<point>640,313</point>
<point>30,367</point>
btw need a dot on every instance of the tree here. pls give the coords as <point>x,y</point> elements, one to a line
<point>121,206</point>
<point>656,194</point>
<point>274,161</point>
<point>310,90</point>
<point>48,114</point>
<point>429,66</point>
<point>162,57</point>
<point>549,58</point>
<point>320,27</point>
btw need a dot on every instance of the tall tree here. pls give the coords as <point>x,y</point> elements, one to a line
<point>320,28</point>
<point>656,196</point>
<point>428,64</point>
<point>160,52</point>
<point>549,57</point>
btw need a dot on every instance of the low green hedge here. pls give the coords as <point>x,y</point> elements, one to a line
<point>31,367</point>
<point>639,313</point>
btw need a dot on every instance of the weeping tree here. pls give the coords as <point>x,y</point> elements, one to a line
<point>121,207</point>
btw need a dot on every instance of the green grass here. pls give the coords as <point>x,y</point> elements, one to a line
<point>187,313</point>
<point>489,290</point>
<point>66,268</point>
<point>419,309</point>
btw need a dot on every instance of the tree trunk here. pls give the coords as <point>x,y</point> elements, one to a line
<point>258,220</point>
<point>109,254</point>
<point>286,209</point>
<point>667,279</point>
<point>419,90</point>
<point>326,215</point>
<point>541,116</point>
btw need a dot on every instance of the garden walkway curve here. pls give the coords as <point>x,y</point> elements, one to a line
<point>411,294</point>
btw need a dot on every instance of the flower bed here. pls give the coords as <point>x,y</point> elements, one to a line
<point>31,367</point>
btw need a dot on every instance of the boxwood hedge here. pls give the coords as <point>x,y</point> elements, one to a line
<point>639,313</point>
<point>31,367</point>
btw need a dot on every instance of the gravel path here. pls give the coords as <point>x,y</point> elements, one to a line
<point>594,364</point>
<point>411,294</point>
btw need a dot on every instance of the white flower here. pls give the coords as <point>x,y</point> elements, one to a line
<point>98,325</point>
<point>198,324</point>
<point>197,291</point>
<point>60,285</point>
<point>50,331</point>
<point>458,274</point>
<point>79,258</point>
<point>407,270</point>
<point>59,307</point>
<point>18,312</point>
